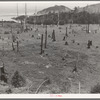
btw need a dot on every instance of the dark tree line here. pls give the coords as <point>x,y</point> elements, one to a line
<point>65,18</point>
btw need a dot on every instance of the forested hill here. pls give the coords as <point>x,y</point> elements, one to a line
<point>95,8</point>
<point>86,15</point>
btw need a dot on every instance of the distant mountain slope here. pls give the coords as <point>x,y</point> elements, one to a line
<point>95,8</point>
<point>55,9</point>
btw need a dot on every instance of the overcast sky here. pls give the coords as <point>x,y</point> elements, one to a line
<point>7,8</point>
<point>11,7</point>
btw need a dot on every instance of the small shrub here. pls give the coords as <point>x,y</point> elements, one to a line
<point>17,80</point>
<point>96,88</point>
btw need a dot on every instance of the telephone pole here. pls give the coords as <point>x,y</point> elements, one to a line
<point>25,16</point>
<point>25,9</point>
<point>17,9</point>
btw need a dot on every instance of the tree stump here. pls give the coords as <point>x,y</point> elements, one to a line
<point>66,43</point>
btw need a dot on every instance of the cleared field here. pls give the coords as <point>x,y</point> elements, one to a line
<point>57,62</point>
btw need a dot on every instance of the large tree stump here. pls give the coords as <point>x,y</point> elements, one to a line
<point>89,44</point>
<point>3,76</point>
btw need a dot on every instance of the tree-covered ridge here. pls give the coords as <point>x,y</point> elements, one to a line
<point>64,18</point>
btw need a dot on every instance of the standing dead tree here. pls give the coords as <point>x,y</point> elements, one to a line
<point>66,35</point>
<point>76,64</point>
<point>45,37</point>
<point>14,40</point>
<point>66,32</point>
<point>88,23</point>
<point>13,47</point>
<point>41,44</point>
<point>87,28</point>
<point>17,46</point>
<point>53,36</point>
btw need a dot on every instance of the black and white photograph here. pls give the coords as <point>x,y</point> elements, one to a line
<point>50,47</point>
